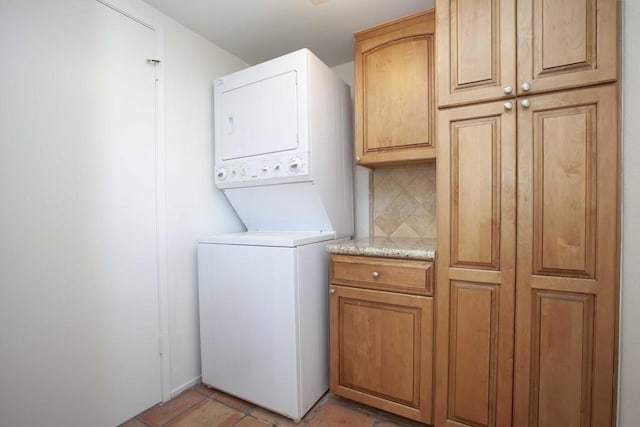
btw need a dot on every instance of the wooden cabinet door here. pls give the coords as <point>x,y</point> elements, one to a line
<point>394,92</point>
<point>381,350</point>
<point>476,50</point>
<point>476,265</point>
<point>566,43</point>
<point>568,184</point>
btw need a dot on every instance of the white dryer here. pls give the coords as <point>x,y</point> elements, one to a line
<point>283,153</point>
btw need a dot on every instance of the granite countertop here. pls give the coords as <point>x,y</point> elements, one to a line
<point>412,248</point>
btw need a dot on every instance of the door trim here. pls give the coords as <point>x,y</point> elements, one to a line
<point>134,13</point>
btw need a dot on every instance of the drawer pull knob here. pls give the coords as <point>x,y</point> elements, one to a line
<point>375,274</point>
<point>332,291</point>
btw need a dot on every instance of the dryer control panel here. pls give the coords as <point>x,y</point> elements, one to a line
<point>268,168</point>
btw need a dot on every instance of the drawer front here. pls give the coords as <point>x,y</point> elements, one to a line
<point>410,276</point>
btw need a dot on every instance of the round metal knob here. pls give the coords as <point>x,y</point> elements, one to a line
<point>357,158</point>
<point>332,291</point>
<point>525,103</point>
<point>375,274</point>
<point>526,86</point>
<point>508,105</point>
<point>508,89</point>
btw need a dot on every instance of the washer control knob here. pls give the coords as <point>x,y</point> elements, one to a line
<point>222,174</point>
<point>243,171</point>
<point>276,166</point>
<point>265,168</point>
<point>294,163</point>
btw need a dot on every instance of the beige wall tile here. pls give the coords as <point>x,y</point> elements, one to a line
<point>403,202</point>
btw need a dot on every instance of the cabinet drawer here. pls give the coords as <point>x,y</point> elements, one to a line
<point>409,276</point>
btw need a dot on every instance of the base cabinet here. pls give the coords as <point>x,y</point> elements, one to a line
<point>382,347</point>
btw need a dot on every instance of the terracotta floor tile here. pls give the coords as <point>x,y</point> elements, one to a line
<point>390,420</point>
<point>388,423</point>
<point>208,414</point>
<point>133,423</point>
<point>271,417</point>
<point>160,414</point>
<point>249,421</point>
<point>203,389</point>
<point>334,414</point>
<point>234,402</point>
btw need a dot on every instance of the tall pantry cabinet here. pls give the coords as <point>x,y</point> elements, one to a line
<point>528,208</point>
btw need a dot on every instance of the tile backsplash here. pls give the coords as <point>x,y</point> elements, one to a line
<point>403,202</point>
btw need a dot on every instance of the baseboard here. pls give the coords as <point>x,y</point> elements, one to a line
<point>176,391</point>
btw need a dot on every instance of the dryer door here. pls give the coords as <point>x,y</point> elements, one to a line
<point>258,118</point>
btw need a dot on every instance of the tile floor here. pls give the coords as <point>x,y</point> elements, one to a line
<point>201,406</point>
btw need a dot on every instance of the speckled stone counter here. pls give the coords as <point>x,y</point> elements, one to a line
<point>424,249</point>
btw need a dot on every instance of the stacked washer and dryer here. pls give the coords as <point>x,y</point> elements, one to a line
<point>283,158</point>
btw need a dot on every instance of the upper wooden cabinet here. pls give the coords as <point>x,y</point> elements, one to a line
<point>560,44</point>
<point>394,92</point>
<point>476,50</point>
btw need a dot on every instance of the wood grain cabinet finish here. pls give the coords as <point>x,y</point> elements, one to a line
<point>475,286</point>
<point>567,259</point>
<point>381,342</point>
<point>476,50</point>
<point>395,93</point>
<point>560,45</point>
<point>553,309</point>
<point>566,44</point>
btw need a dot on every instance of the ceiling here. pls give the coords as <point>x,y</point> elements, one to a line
<point>257,30</point>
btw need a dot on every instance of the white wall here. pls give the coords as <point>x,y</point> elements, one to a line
<point>48,85</point>
<point>361,174</point>
<point>194,206</point>
<point>629,370</point>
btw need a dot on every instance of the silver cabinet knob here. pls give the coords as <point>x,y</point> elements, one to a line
<point>525,103</point>
<point>375,274</point>
<point>508,105</point>
<point>332,291</point>
<point>508,89</point>
<point>526,86</point>
<point>357,158</point>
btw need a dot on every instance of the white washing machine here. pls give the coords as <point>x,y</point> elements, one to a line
<point>283,152</point>
<point>264,317</point>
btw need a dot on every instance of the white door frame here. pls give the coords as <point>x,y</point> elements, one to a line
<point>127,9</point>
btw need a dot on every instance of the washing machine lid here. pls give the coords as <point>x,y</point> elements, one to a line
<point>268,238</point>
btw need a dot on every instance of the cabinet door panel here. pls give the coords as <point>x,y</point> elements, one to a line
<point>475,203</point>
<point>396,108</point>
<point>395,93</point>
<point>475,50</point>
<point>569,43</point>
<point>381,350</point>
<point>476,265</point>
<point>567,258</point>
<point>473,353</point>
